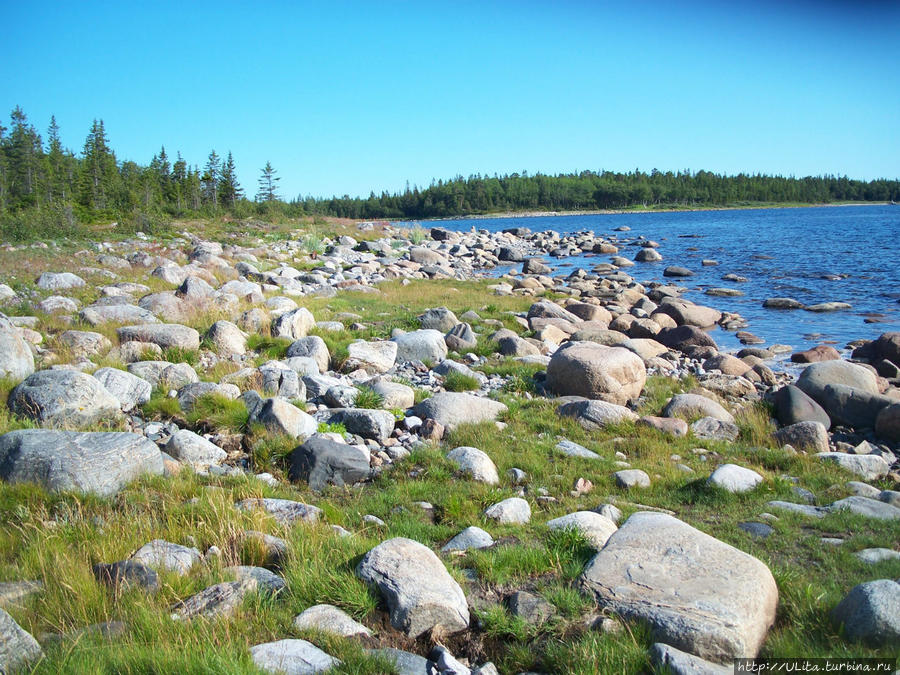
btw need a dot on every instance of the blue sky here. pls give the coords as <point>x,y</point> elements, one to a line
<point>347,97</point>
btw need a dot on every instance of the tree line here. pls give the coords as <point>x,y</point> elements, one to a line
<point>49,190</point>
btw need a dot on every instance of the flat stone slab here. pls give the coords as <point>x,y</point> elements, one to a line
<point>419,592</point>
<point>97,462</point>
<point>868,467</point>
<point>573,449</point>
<point>696,592</point>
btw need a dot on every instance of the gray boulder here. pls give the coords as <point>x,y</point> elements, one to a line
<point>190,393</point>
<point>734,478</point>
<point>195,451</point>
<point>863,506</point>
<point>714,429</point>
<point>689,406</point>
<point>165,335</point>
<point>394,394</point>
<point>375,424</point>
<point>421,345</point>
<point>593,415</point>
<point>281,380</point>
<point>321,461</point>
<point>311,346</point>
<point>285,511</point>
<point>793,405</point>
<point>131,391</point>
<point>461,338</point>
<point>219,600</point>
<point>469,538</point>
<point>164,555</point>
<point>227,339</point>
<point>96,462</point>
<point>17,646</point>
<point>632,478</point>
<point>97,315</point>
<point>280,416</point>
<point>871,612</point>
<point>266,581</point>
<point>670,660</point>
<point>514,510</point>
<point>451,409</point>
<point>16,359</point>
<point>804,435</point>
<point>696,593</point>
<point>573,449</point>
<point>329,619</point>
<point>611,374</point>
<point>869,467</point>
<point>887,424</point>
<point>293,324</point>
<point>817,376</point>
<point>420,593</point>
<point>59,281</point>
<point>373,357</point>
<point>853,407</point>
<point>292,657</point>
<point>63,398</point>
<point>438,318</point>
<point>475,463</point>
<point>596,528</point>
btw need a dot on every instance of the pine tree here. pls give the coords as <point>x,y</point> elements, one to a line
<point>60,166</point>
<point>229,188</point>
<point>24,157</point>
<point>98,170</point>
<point>267,185</point>
<point>210,180</point>
<point>179,183</point>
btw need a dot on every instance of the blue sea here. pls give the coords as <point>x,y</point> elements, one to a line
<point>795,252</point>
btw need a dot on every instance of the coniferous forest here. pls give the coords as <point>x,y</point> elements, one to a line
<point>49,190</point>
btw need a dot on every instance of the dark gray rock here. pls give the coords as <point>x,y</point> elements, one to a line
<point>792,405</point>
<point>321,461</point>
<point>676,662</point>
<point>853,407</point>
<point>871,612</point>
<point>163,334</point>
<point>375,424</point>
<point>756,530</point>
<point>97,462</point>
<point>530,607</point>
<point>127,573</point>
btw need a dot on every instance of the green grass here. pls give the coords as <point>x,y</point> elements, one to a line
<point>181,355</point>
<point>269,348</point>
<point>456,381</point>
<point>368,398</point>
<point>216,412</point>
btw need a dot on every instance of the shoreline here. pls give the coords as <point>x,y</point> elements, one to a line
<point>612,212</point>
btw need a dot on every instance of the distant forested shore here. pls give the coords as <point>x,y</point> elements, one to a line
<point>47,190</point>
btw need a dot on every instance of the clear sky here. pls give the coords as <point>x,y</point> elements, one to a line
<point>349,97</point>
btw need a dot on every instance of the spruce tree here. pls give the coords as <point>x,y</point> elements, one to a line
<point>98,170</point>
<point>267,185</point>
<point>210,179</point>
<point>229,188</point>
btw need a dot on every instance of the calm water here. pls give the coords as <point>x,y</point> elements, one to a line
<point>783,253</point>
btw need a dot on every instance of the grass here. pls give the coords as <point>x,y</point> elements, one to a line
<point>368,398</point>
<point>456,381</point>
<point>215,412</point>
<point>269,348</point>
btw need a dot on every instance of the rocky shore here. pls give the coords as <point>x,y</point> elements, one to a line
<point>294,378</point>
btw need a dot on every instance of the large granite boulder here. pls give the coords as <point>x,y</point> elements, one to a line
<point>292,657</point>
<point>16,359</point>
<point>165,335</point>
<point>373,357</point>
<point>793,405</point>
<point>294,324</point>
<point>130,390</point>
<point>63,398</point>
<point>611,374</point>
<point>426,345</point>
<point>97,462</point>
<point>817,376</point>
<point>451,409</point>
<point>593,415</point>
<point>871,612</point>
<point>690,406</point>
<point>696,592</point>
<point>420,593</point>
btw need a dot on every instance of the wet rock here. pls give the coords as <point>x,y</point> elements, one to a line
<point>420,593</point>
<point>816,354</point>
<point>782,303</point>
<point>96,462</point>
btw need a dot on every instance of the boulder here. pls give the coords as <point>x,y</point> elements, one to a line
<point>195,451</point>
<point>853,407</point>
<point>673,426</point>
<point>696,593</point>
<point>311,346</point>
<point>611,374</point>
<point>16,359</point>
<point>793,405</point>
<point>782,303</point>
<point>450,409</point>
<point>863,506</point>
<point>726,364</point>
<point>165,335</point>
<point>631,478</point>
<point>164,555</point>
<point>514,510</point>
<point>597,529</point>
<point>438,318</point>
<point>293,324</point>
<point>395,394</point>
<point>280,416</point>
<point>292,657</point>
<point>734,478</point>
<point>871,612</point>
<point>59,281</point>
<point>96,315</point>
<point>284,511</point>
<point>227,339</point>
<point>420,593</point>
<point>63,398</point>
<point>690,406</point>
<point>715,429</point>
<point>683,338</point>
<point>190,393</point>
<point>887,423</point>
<point>469,538</point>
<point>426,345</point>
<point>219,600</point>
<point>97,462</point>
<point>670,660</point>
<point>266,581</point>
<point>321,461</point>
<point>816,354</point>
<point>329,619</point>
<point>375,424</point>
<point>476,463</point>
<point>17,646</point>
<point>127,573</point>
<point>131,391</point>
<point>85,344</point>
<point>817,376</point>
<point>373,357</point>
<point>164,374</point>
<point>461,338</point>
<point>592,415</point>
<point>688,314</point>
<point>810,436</point>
